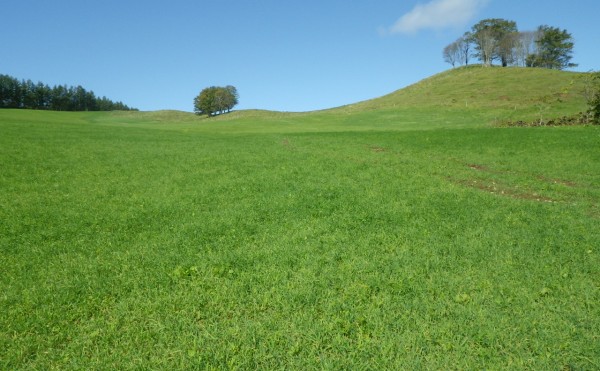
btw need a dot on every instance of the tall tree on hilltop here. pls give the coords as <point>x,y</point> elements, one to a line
<point>494,38</point>
<point>458,52</point>
<point>451,54</point>
<point>526,45</point>
<point>555,49</point>
<point>464,46</point>
<point>232,97</point>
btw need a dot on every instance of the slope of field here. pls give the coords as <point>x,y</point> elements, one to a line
<point>463,97</point>
<point>490,88</point>
<point>351,238</point>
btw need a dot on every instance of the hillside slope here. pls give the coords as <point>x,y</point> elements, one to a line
<point>478,87</point>
<point>463,97</point>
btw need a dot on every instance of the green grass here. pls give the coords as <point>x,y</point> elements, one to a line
<point>383,238</point>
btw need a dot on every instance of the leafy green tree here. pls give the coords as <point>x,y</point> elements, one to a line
<point>494,38</point>
<point>206,102</point>
<point>215,99</point>
<point>555,49</point>
<point>232,97</point>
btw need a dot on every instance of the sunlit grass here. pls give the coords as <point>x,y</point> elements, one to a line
<point>382,240</point>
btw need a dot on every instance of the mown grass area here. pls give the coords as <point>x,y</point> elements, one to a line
<point>291,241</point>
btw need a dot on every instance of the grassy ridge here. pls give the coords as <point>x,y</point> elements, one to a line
<point>502,90</point>
<point>270,240</point>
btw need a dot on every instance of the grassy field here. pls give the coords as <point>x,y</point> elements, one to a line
<point>396,233</point>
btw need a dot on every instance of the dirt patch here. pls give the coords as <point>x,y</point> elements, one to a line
<point>478,167</point>
<point>500,190</point>
<point>377,149</point>
<point>567,183</point>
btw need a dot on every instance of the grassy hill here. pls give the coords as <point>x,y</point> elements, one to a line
<point>404,232</point>
<point>470,96</point>
<point>489,88</point>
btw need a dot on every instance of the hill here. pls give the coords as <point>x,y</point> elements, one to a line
<point>491,88</point>
<point>470,96</point>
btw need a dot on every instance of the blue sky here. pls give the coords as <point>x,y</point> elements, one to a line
<point>281,55</point>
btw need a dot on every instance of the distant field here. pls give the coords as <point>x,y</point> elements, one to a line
<point>363,237</point>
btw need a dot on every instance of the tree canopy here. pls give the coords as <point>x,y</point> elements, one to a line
<point>215,100</point>
<point>496,39</point>
<point>493,38</point>
<point>27,94</point>
<point>555,47</point>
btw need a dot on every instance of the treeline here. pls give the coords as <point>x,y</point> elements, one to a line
<point>499,40</point>
<point>29,95</point>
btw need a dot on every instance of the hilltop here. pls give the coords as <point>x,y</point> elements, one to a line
<point>491,88</point>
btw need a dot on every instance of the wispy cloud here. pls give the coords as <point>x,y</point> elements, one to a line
<point>437,14</point>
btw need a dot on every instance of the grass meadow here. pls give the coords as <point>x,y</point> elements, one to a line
<point>382,239</point>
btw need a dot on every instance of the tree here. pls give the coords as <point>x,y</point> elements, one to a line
<point>10,92</point>
<point>450,54</point>
<point>526,45</point>
<point>555,49</point>
<point>43,96</point>
<point>60,98</point>
<point>232,97</point>
<point>215,99</point>
<point>205,103</point>
<point>458,52</point>
<point>494,38</point>
<point>507,43</point>
<point>464,47</point>
<point>483,39</point>
<point>28,91</point>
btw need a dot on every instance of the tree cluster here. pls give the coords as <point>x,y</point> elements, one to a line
<point>27,94</point>
<point>499,40</point>
<point>216,100</point>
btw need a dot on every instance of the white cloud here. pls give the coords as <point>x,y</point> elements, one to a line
<point>437,14</point>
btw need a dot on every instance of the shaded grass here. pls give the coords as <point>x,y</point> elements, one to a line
<point>130,243</point>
